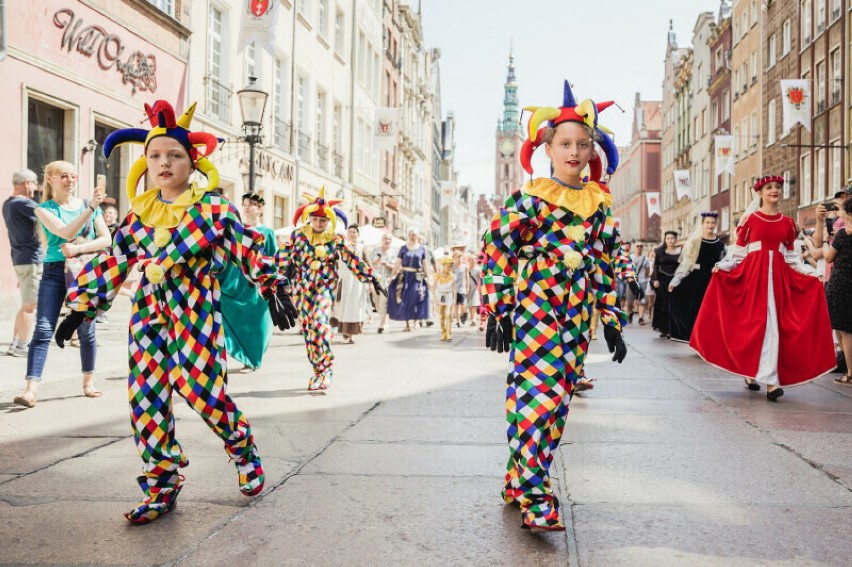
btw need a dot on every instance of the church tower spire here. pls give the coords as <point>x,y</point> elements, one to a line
<point>510,98</point>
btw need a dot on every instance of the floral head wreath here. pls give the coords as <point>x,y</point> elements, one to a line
<point>712,214</point>
<point>163,123</point>
<point>758,185</point>
<point>585,113</point>
<point>319,206</point>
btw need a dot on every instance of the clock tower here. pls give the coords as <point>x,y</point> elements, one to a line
<point>508,171</point>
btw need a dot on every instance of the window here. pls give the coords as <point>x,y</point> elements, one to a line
<point>322,18</point>
<point>786,38</point>
<point>755,135</point>
<point>338,32</point>
<point>786,194</point>
<point>836,158</point>
<point>820,15</point>
<point>770,52</point>
<point>819,186</point>
<point>719,59</point>
<point>114,184</point>
<point>279,104</point>
<point>770,122</point>
<point>835,9</point>
<point>736,83</point>
<point>302,117</point>
<point>737,143</point>
<point>806,179</point>
<point>703,122</point>
<point>304,8</point>
<point>753,12</point>
<point>167,6</point>
<point>820,86</point>
<point>217,91</point>
<point>725,219</point>
<point>45,135</point>
<point>836,78</point>
<point>744,24</point>
<point>280,214</point>
<point>744,76</point>
<point>806,21</point>
<point>250,62</point>
<point>754,66</point>
<point>322,149</point>
<point>726,106</point>
<point>715,112</point>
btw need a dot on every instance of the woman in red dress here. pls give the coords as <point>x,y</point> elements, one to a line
<point>765,316</point>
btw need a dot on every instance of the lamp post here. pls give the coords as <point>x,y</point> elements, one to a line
<point>252,106</point>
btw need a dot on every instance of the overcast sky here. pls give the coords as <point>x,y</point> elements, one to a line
<point>609,50</point>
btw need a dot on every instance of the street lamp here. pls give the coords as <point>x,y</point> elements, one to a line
<point>252,105</point>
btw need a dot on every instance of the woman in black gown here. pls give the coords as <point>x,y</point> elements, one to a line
<point>687,288</point>
<point>665,264</point>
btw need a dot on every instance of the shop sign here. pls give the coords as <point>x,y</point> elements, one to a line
<point>137,69</point>
<point>380,222</point>
<point>277,168</point>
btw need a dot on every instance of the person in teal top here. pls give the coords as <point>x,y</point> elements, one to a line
<point>245,314</point>
<point>63,217</point>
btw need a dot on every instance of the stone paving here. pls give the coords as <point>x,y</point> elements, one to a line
<point>666,462</point>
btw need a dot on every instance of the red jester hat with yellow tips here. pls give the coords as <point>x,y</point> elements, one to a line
<point>163,122</point>
<point>319,206</point>
<point>585,113</point>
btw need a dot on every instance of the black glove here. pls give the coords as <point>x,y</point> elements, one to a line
<point>498,335</point>
<point>66,328</point>
<point>379,289</point>
<point>634,287</point>
<point>615,343</point>
<point>281,308</point>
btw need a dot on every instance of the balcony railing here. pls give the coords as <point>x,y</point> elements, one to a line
<point>322,156</point>
<point>282,135</point>
<point>218,98</point>
<point>338,164</point>
<point>304,146</point>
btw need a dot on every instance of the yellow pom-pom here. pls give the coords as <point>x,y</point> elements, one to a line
<point>320,252</point>
<point>162,236</point>
<point>576,233</point>
<point>573,259</point>
<point>316,265</point>
<point>155,273</point>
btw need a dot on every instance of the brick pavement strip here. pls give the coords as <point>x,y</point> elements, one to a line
<point>667,461</point>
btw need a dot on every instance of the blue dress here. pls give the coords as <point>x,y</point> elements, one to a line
<point>408,294</point>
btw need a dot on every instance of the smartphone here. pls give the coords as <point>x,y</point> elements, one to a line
<point>100,181</point>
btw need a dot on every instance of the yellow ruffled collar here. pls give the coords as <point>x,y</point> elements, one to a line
<point>156,213</point>
<point>317,239</point>
<point>583,202</point>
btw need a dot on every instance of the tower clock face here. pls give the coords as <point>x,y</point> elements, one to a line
<point>507,147</point>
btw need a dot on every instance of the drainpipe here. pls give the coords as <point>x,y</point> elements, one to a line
<point>3,35</point>
<point>296,161</point>
<point>353,57</point>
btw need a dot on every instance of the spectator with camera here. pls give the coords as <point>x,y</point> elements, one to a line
<point>839,288</point>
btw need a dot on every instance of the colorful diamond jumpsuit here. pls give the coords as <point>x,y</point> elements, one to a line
<point>176,340</point>
<point>565,260</point>
<point>314,271</point>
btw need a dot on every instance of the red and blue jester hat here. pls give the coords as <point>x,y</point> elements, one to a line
<point>319,206</point>
<point>585,113</point>
<point>163,123</point>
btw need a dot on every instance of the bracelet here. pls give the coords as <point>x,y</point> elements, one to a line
<point>93,209</point>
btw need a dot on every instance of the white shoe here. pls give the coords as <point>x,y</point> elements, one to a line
<point>21,351</point>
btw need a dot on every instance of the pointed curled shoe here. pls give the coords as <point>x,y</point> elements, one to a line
<point>541,516</point>
<point>250,471</point>
<point>161,499</point>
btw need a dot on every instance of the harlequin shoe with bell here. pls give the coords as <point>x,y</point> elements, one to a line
<point>250,471</point>
<point>542,516</point>
<point>161,498</point>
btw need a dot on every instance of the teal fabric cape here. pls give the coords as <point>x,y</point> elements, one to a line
<point>245,314</point>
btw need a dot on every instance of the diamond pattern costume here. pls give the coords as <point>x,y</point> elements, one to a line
<point>312,261</point>
<point>176,339</point>
<point>547,252</point>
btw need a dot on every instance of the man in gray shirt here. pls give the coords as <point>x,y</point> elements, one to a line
<point>27,254</point>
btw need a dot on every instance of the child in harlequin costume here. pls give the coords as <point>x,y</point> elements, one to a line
<point>245,314</point>
<point>311,256</point>
<point>181,234</point>
<point>563,228</point>
<point>445,296</point>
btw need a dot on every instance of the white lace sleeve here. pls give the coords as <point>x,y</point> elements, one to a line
<point>734,256</point>
<point>794,260</point>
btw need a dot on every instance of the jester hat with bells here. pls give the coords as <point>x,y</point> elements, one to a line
<point>163,123</point>
<point>585,113</point>
<point>319,206</point>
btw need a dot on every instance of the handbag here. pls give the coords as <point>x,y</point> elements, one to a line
<point>75,264</point>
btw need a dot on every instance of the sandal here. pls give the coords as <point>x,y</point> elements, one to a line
<point>27,399</point>
<point>845,379</point>
<point>74,342</point>
<point>91,392</point>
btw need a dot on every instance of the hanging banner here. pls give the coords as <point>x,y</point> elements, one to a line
<point>652,200</point>
<point>384,130</point>
<point>796,99</point>
<point>258,24</point>
<point>448,191</point>
<point>724,155</point>
<point>681,180</point>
